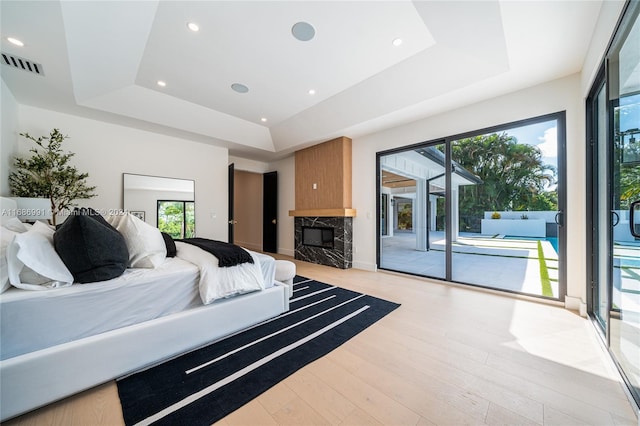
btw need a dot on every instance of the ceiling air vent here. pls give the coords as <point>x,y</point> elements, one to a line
<point>21,63</point>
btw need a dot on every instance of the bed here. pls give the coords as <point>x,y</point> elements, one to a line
<point>61,341</point>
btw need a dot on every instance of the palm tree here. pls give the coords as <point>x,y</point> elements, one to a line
<point>514,176</point>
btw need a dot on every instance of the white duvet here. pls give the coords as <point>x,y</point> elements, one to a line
<point>217,282</point>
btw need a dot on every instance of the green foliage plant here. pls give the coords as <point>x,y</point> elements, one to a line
<point>514,177</point>
<point>49,174</point>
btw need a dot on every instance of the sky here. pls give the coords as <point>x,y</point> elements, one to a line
<point>545,136</point>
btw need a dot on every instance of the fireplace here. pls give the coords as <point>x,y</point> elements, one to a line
<point>324,240</point>
<point>318,236</point>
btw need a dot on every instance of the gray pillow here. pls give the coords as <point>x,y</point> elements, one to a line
<point>90,248</point>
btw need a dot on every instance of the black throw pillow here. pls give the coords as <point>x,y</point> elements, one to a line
<point>91,249</point>
<point>171,245</point>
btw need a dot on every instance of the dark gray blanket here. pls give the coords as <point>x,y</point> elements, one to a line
<point>227,254</point>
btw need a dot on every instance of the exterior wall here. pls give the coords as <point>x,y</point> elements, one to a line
<point>515,227</point>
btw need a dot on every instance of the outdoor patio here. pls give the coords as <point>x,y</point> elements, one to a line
<point>495,262</point>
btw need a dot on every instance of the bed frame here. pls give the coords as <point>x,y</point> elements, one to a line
<point>39,378</point>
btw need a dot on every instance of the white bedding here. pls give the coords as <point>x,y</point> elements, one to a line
<point>34,320</point>
<point>219,283</point>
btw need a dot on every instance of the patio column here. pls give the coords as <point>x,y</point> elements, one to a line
<point>455,214</point>
<point>420,214</point>
<point>433,211</point>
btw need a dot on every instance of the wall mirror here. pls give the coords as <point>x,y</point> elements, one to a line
<point>166,203</point>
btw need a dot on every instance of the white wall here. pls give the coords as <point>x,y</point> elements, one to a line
<point>610,12</point>
<point>247,165</point>
<point>286,169</point>
<point>558,95</point>
<point>9,136</point>
<point>106,151</point>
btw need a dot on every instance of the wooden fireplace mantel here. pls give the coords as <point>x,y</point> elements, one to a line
<point>323,213</point>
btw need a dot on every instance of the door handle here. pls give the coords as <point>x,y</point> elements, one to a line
<point>274,221</point>
<point>559,219</point>
<point>632,222</point>
<point>233,222</point>
<point>617,218</point>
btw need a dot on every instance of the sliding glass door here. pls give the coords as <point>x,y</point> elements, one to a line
<point>483,208</point>
<point>412,212</point>
<point>613,118</point>
<point>507,232</point>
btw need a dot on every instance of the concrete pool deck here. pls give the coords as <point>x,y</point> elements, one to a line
<point>505,264</point>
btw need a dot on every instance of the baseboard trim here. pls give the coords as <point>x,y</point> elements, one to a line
<point>366,266</point>
<point>575,304</point>
<point>287,252</point>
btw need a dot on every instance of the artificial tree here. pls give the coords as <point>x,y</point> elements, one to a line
<point>48,174</point>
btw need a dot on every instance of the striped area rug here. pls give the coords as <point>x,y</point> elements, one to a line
<point>205,385</point>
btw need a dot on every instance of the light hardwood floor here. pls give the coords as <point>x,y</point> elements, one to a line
<point>448,356</point>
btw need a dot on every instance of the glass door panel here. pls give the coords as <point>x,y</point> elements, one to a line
<point>624,97</point>
<point>613,118</point>
<point>412,231</point>
<point>505,209</point>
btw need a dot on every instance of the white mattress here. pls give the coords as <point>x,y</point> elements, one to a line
<point>33,320</point>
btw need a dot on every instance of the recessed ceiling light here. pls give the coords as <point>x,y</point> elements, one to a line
<point>303,31</point>
<point>311,92</point>
<point>15,41</point>
<point>264,120</point>
<point>240,88</point>
<point>161,83</point>
<point>397,42</point>
<point>193,26</point>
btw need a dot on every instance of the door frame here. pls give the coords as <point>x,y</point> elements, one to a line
<point>593,246</point>
<point>560,117</point>
<point>624,24</point>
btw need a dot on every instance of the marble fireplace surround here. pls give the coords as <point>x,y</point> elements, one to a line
<point>341,255</point>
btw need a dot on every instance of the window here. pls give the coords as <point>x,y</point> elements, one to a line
<point>484,208</point>
<point>177,218</point>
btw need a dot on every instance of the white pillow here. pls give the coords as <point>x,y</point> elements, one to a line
<point>14,224</point>
<point>33,263</point>
<point>11,227</point>
<point>44,229</point>
<point>6,236</point>
<point>144,242</point>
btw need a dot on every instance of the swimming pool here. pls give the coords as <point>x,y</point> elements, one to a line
<point>552,240</point>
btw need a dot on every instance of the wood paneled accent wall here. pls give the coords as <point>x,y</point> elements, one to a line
<point>327,168</point>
